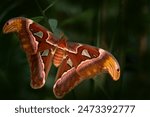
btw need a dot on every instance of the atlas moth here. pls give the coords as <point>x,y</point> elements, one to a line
<point>76,62</point>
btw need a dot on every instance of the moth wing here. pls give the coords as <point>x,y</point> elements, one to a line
<point>37,70</point>
<point>40,64</point>
<point>82,62</point>
<point>90,61</point>
<point>66,78</point>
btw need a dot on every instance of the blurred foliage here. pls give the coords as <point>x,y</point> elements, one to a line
<point>119,26</point>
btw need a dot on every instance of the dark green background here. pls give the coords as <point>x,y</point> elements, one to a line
<point>119,26</point>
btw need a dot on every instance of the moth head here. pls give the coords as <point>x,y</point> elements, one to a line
<point>13,25</point>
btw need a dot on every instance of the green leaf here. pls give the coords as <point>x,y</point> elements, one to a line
<point>58,33</point>
<point>53,24</point>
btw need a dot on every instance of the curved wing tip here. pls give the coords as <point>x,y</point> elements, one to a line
<point>111,64</point>
<point>115,71</point>
<point>13,25</point>
<point>56,92</point>
<point>37,85</point>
